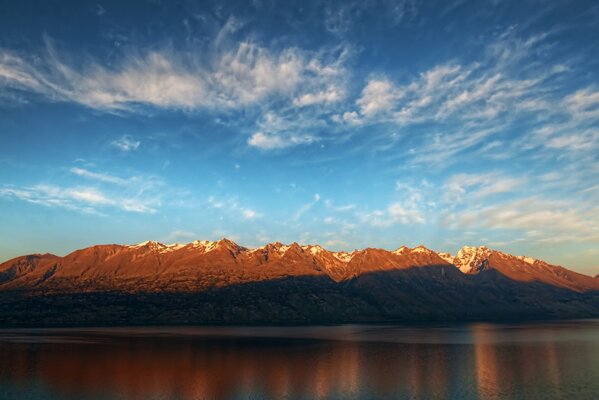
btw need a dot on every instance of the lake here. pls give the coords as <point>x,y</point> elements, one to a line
<point>552,360</point>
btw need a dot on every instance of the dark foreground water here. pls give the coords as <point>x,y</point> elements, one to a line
<point>558,360</point>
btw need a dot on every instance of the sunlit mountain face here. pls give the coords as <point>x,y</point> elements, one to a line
<point>349,124</point>
<point>206,282</point>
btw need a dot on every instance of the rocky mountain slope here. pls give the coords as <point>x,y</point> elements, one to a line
<point>222,282</point>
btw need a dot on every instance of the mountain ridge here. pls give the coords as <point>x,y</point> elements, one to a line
<point>223,282</point>
<point>152,258</point>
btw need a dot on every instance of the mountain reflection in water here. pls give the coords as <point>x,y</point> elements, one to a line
<point>477,361</point>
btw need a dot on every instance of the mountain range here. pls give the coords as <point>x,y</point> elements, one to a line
<point>205,282</point>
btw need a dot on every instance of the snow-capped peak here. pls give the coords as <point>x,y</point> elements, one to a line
<point>150,243</point>
<point>204,245</point>
<point>471,258</point>
<point>400,250</point>
<point>313,249</point>
<point>277,247</point>
<point>157,246</point>
<point>421,249</point>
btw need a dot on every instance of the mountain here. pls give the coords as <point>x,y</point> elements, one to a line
<point>222,282</point>
<point>472,260</point>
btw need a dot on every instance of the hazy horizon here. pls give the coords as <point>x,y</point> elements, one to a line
<point>344,124</point>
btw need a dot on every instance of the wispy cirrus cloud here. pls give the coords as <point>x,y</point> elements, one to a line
<point>576,129</point>
<point>126,143</point>
<point>136,193</point>
<point>475,106</point>
<point>138,183</point>
<point>379,95</point>
<point>539,220</point>
<point>278,140</point>
<point>298,86</point>
<point>99,176</point>
<point>84,199</point>
<point>410,207</point>
<point>463,187</point>
<point>276,131</point>
<point>231,206</point>
<point>236,76</point>
<point>341,17</point>
<point>306,207</point>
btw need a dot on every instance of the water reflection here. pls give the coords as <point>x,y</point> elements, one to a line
<point>468,362</point>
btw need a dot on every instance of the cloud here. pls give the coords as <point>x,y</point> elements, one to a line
<point>133,185</point>
<point>409,208</point>
<point>234,76</point>
<point>126,143</point>
<point>449,91</point>
<point>443,148</point>
<point>155,78</point>
<point>329,96</point>
<point>378,96</point>
<point>136,193</point>
<point>278,141</point>
<point>263,141</point>
<point>351,117</point>
<point>219,76</point>
<point>179,235</point>
<point>249,214</point>
<point>232,207</point>
<point>102,177</point>
<point>100,10</point>
<point>344,208</point>
<point>279,131</point>
<point>575,130</point>
<point>462,187</point>
<point>542,220</point>
<point>587,140</point>
<point>400,213</point>
<point>341,17</point>
<point>467,106</point>
<point>83,199</point>
<point>583,101</point>
<point>306,207</point>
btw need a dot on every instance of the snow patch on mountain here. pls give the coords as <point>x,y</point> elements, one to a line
<point>203,245</point>
<point>313,249</point>
<point>343,256</point>
<point>526,259</point>
<point>447,257</point>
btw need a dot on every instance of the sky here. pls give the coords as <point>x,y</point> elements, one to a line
<point>349,124</point>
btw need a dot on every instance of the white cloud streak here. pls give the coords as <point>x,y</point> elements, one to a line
<point>231,206</point>
<point>278,141</point>
<point>126,143</point>
<point>80,198</point>
<point>462,187</point>
<point>542,220</point>
<point>237,76</point>
<point>102,177</point>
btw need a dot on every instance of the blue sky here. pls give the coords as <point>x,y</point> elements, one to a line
<point>349,124</point>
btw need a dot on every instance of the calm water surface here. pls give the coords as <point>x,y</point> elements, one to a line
<point>558,360</point>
